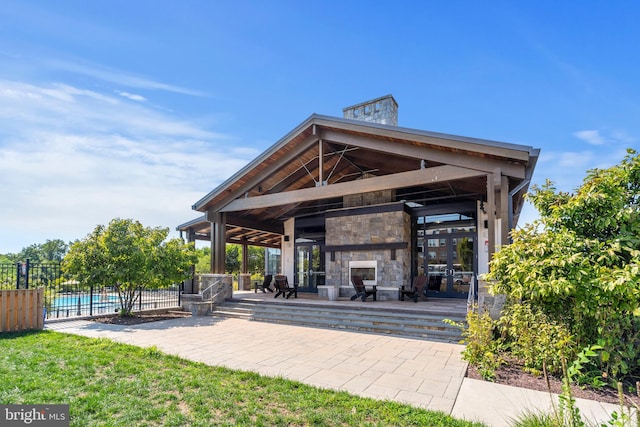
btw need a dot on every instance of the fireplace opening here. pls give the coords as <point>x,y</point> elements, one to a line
<point>365,273</point>
<point>368,270</point>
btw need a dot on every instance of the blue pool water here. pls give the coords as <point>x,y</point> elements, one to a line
<point>85,300</point>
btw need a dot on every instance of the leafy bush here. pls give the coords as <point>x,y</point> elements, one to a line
<point>535,339</point>
<point>129,257</point>
<point>579,265</point>
<point>482,346</point>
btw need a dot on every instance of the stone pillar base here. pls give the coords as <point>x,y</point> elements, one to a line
<point>491,303</point>
<point>200,309</point>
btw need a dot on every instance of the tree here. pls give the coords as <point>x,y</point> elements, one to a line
<point>53,250</point>
<point>49,251</point>
<point>32,252</point>
<point>232,259</point>
<point>579,265</point>
<point>131,258</point>
<point>204,260</point>
<point>255,259</point>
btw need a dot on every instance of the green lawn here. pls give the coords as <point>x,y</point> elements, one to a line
<point>111,384</point>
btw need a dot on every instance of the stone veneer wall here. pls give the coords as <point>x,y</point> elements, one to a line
<point>382,110</point>
<point>368,199</point>
<point>369,228</point>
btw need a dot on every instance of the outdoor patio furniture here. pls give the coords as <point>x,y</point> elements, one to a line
<point>434,282</point>
<point>265,285</point>
<point>416,290</point>
<point>361,291</point>
<point>283,287</point>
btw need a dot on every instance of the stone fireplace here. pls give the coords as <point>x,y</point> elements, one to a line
<point>370,241</point>
<point>368,270</point>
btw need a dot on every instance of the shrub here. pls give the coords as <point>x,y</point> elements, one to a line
<point>535,339</point>
<point>482,349</point>
<point>579,266</point>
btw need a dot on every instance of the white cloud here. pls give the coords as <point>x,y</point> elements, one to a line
<point>118,77</point>
<point>132,96</point>
<point>71,159</point>
<point>567,169</point>
<point>623,137</point>
<point>601,137</point>
<point>64,106</point>
<point>592,137</point>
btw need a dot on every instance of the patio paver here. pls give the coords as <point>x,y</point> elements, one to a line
<point>362,364</point>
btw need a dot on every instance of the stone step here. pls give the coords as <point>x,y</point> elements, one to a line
<point>179,313</point>
<point>359,312</point>
<point>421,325</point>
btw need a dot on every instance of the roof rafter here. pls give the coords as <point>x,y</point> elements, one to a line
<point>422,152</point>
<point>402,179</point>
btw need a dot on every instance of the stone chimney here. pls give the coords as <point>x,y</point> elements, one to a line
<point>383,110</point>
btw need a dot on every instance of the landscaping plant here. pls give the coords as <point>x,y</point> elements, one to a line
<point>131,258</point>
<point>576,272</point>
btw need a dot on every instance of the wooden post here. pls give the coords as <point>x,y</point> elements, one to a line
<point>491,213</point>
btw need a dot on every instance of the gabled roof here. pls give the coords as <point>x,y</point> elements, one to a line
<point>354,152</point>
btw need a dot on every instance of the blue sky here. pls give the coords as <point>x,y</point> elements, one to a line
<point>136,109</point>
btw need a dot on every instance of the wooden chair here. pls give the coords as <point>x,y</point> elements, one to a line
<point>434,282</point>
<point>361,291</point>
<point>266,284</point>
<point>416,290</point>
<point>283,287</point>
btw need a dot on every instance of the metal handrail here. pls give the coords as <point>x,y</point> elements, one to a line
<point>471,297</point>
<point>210,287</point>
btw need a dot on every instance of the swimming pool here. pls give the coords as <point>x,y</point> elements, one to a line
<point>85,300</point>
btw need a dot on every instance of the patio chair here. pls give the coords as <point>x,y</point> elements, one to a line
<point>361,291</point>
<point>283,287</point>
<point>434,282</point>
<point>416,290</point>
<point>265,285</point>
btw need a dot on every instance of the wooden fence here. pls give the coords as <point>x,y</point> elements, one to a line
<point>21,309</point>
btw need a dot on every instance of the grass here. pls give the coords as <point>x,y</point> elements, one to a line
<point>111,384</point>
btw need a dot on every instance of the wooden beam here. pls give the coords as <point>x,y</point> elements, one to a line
<point>245,257</point>
<point>485,164</point>
<point>218,241</point>
<point>378,183</point>
<point>493,148</point>
<point>320,163</point>
<point>491,212</point>
<point>504,211</point>
<point>288,157</point>
<point>252,224</point>
<point>366,247</point>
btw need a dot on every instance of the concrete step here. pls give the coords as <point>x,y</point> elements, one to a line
<point>412,324</point>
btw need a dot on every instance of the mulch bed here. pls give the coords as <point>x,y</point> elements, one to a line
<point>513,375</point>
<point>138,318</point>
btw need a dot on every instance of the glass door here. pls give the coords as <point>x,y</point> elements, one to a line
<point>309,266</point>
<point>450,260</point>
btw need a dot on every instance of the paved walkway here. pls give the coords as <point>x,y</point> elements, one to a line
<point>426,374</point>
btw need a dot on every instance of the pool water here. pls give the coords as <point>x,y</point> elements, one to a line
<point>72,300</point>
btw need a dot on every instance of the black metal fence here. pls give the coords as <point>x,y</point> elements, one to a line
<point>68,298</point>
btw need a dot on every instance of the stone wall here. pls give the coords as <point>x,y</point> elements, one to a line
<point>383,110</point>
<point>368,199</point>
<point>491,303</point>
<point>370,229</point>
<point>197,304</point>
